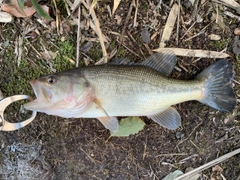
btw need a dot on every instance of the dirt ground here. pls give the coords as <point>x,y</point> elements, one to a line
<point>57,148</point>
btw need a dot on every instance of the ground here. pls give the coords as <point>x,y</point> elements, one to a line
<point>57,148</point>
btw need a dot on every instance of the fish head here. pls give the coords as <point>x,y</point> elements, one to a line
<point>60,92</point>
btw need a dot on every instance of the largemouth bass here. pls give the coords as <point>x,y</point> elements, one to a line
<point>111,90</point>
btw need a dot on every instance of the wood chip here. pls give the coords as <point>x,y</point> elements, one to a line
<point>5,17</point>
<point>169,26</point>
<point>195,53</point>
<point>214,37</point>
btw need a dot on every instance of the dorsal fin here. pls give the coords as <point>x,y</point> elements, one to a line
<point>122,61</point>
<point>163,61</point>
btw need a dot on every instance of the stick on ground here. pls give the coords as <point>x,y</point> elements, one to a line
<point>208,165</point>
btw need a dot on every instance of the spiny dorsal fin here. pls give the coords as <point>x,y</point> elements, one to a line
<point>121,61</point>
<point>163,61</point>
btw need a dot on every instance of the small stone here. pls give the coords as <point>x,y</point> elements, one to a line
<point>5,17</point>
<point>214,37</point>
<point>237,31</point>
<point>63,38</point>
<point>179,135</point>
<point>145,36</point>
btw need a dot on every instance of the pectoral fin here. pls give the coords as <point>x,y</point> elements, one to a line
<point>110,123</point>
<point>168,118</point>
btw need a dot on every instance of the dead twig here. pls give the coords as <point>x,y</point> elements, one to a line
<point>88,155</point>
<point>195,9</point>
<point>135,16</point>
<point>78,35</point>
<point>190,133</point>
<point>57,16</point>
<point>228,13</point>
<point>145,146</point>
<point>178,20</point>
<point>128,49</point>
<point>201,32</point>
<point>189,29</point>
<point>131,37</point>
<point>169,26</point>
<point>99,32</point>
<point>172,154</point>
<point>208,165</point>
<point>127,19</point>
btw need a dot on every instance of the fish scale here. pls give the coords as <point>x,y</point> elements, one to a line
<point>136,89</point>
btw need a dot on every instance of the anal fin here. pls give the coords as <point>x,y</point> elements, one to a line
<point>168,118</point>
<point>110,123</point>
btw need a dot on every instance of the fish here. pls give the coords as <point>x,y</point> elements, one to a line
<point>123,88</point>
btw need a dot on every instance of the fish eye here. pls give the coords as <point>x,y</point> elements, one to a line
<point>51,80</point>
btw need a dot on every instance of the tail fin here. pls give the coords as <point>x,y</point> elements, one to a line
<point>218,91</point>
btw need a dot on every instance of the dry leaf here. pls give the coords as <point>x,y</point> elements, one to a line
<point>48,55</point>
<point>195,53</point>
<point>28,11</point>
<point>217,168</point>
<point>115,5</point>
<point>119,19</point>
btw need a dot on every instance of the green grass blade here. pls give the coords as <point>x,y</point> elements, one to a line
<point>40,10</point>
<point>21,3</point>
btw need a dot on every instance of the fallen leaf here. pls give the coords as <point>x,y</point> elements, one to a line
<point>40,10</point>
<point>128,126</point>
<point>115,5</point>
<point>48,55</point>
<point>217,168</point>
<point>28,11</point>
<point>118,18</point>
<point>145,36</point>
<point>195,53</point>
<point>86,47</point>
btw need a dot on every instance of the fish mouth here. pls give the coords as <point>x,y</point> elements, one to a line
<point>43,97</point>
